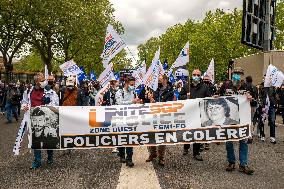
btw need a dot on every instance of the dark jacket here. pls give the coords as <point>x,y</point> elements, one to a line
<point>164,95</point>
<point>199,91</point>
<point>109,98</point>
<point>184,91</point>
<point>253,92</point>
<point>211,88</point>
<point>263,92</point>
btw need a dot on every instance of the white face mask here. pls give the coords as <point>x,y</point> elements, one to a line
<point>43,84</point>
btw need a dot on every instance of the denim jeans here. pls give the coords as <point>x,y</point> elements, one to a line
<point>37,155</point>
<point>243,152</point>
<point>11,109</point>
<point>129,152</point>
<point>271,120</point>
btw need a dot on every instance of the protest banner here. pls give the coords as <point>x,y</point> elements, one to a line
<point>273,77</point>
<point>177,122</point>
<point>70,68</point>
<point>112,46</point>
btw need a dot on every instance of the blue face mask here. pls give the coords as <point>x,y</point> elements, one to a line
<point>131,88</point>
<point>196,78</point>
<point>236,77</point>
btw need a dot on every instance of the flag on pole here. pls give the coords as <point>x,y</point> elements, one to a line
<point>274,77</point>
<point>211,71</point>
<point>183,57</point>
<point>45,72</point>
<point>165,65</point>
<point>82,76</point>
<point>139,74</point>
<point>152,75</point>
<point>106,75</point>
<point>93,76</point>
<point>70,68</point>
<point>112,46</point>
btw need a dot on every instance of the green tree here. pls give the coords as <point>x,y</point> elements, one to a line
<point>279,42</point>
<point>13,29</point>
<point>217,36</point>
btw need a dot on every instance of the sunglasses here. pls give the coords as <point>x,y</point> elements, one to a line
<point>196,75</point>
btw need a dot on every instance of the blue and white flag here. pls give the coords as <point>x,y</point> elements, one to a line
<point>165,65</point>
<point>139,74</point>
<point>112,46</point>
<point>93,76</point>
<point>183,57</point>
<point>106,75</point>
<point>117,76</point>
<point>82,76</point>
<point>70,68</point>
<point>153,73</point>
<point>274,77</point>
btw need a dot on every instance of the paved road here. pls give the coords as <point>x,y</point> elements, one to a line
<point>100,168</point>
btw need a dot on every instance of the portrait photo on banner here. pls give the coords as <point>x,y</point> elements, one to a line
<point>219,111</point>
<point>45,128</point>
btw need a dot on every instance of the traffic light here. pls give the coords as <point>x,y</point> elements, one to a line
<point>258,25</point>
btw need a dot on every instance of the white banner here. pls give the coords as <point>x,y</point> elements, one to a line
<point>183,57</point>
<point>106,75</point>
<point>274,77</point>
<point>211,71</point>
<point>112,46</point>
<point>70,68</point>
<point>151,77</point>
<point>195,120</point>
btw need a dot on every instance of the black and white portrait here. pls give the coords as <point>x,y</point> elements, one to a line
<point>219,111</point>
<point>45,128</point>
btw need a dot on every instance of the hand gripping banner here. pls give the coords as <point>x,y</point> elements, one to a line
<point>177,122</point>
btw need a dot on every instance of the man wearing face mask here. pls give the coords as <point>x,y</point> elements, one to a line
<point>95,87</point>
<point>197,89</point>
<point>37,96</point>
<point>126,96</point>
<point>164,93</point>
<point>109,96</point>
<point>236,86</point>
<point>207,81</point>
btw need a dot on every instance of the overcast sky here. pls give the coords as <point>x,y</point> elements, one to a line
<point>143,19</point>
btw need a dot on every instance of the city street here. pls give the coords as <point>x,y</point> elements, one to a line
<point>99,168</point>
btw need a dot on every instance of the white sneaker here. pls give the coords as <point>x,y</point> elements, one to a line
<point>272,140</point>
<point>262,139</point>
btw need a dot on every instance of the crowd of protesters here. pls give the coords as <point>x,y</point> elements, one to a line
<point>265,102</point>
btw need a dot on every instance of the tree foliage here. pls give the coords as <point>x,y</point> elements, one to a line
<point>217,36</point>
<point>62,30</point>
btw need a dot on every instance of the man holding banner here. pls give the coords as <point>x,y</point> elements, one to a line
<point>126,96</point>
<point>34,97</point>
<point>163,94</point>
<point>197,90</point>
<point>229,88</point>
